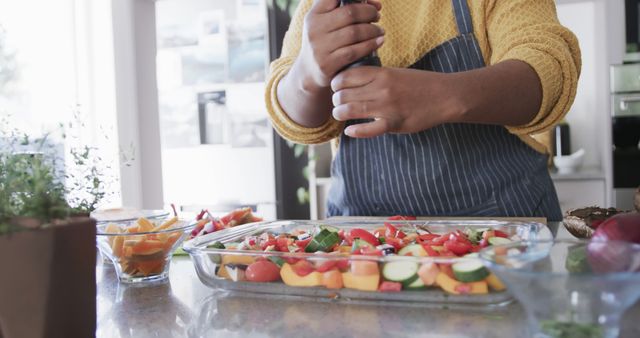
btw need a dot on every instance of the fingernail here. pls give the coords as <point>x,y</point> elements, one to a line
<point>382,31</point>
<point>350,131</point>
<point>380,40</point>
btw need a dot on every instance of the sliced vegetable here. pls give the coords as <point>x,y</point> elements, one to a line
<point>417,284</point>
<point>263,271</point>
<point>390,287</point>
<point>302,268</point>
<point>277,261</point>
<point>364,235</point>
<point>236,272</point>
<point>363,283</point>
<point>323,241</point>
<point>332,279</point>
<point>470,271</point>
<point>400,271</point>
<point>289,277</point>
<point>498,240</point>
<point>495,283</point>
<point>428,273</point>
<point>364,268</point>
<point>413,250</point>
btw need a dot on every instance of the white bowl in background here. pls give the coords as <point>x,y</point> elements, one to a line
<point>570,163</point>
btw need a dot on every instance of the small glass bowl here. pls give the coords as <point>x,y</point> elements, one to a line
<point>141,256</point>
<point>569,288</point>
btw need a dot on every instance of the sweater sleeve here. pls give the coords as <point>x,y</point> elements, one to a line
<point>282,123</point>
<point>529,30</point>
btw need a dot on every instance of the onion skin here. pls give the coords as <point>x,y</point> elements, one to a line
<point>621,227</point>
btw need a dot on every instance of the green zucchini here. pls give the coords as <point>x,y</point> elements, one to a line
<point>400,271</point>
<point>498,240</point>
<point>416,250</point>
<point>359,243</point>
<point>277,261</point>
<point>323,241</point>
<point>469,271</point>
<point>417,284</point>
<point>329,228</point>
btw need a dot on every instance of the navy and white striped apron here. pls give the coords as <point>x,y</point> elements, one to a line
<point>451,170</point>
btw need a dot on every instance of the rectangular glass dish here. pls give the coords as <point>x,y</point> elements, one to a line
<point>356,283</point>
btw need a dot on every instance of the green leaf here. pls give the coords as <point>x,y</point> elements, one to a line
<point>298,150</point>
<point>303,195</point>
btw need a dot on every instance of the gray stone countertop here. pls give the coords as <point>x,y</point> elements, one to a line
<point>184,307</point>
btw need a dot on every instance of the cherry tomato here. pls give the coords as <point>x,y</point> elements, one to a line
<point>282,244</point>
<point>393,231</point>
<point>262,271</point>
<point>302,268</point>
<point>458,248</point>
<point>365,236</point>
<point>390,287</point>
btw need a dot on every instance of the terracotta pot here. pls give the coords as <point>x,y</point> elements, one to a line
<point>47,281</point>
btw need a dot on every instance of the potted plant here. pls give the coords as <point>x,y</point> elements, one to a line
<point>47,240</point>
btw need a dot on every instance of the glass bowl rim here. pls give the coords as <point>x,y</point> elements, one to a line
<point>188,225</point>
<point>482,255</point>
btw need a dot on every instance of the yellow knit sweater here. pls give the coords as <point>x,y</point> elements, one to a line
<point>526,30</point>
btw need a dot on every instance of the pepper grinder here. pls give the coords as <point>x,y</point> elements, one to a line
<point>369,60</point>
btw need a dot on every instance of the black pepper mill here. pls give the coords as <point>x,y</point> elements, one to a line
<point>369,60</point>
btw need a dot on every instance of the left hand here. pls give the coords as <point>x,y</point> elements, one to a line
<point>400,100</point>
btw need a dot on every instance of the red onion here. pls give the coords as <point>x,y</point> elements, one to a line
<point>621,227</point>
<point>612,257</point>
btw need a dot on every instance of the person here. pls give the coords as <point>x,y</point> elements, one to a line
<point>443,127</point>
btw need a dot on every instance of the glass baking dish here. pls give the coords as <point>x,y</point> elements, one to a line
<point>208,260</point>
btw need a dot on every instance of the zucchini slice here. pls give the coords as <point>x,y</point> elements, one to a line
<point>400,271</point>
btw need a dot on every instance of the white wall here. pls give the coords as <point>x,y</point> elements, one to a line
<point>599,26</point>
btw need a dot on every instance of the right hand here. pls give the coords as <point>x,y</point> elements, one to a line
<point>334,37</point>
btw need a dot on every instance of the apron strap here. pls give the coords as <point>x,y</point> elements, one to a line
<point>463,16</point>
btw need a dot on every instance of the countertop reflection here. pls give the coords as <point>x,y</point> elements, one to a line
<point>184,307</point>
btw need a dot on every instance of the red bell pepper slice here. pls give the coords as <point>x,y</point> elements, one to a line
<point>302,268</point>
<point>390,287</point>
<point>395,242</point>
<point>303,243</point>
<point>427,237</point>
<point>365,236</point>
<point>402,218</point>
<point>458,248</point>
<point>502,234</point>
<point>393,231</point>
<point>326,266</point>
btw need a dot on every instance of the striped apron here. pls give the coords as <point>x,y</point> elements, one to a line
<point>453,169</point>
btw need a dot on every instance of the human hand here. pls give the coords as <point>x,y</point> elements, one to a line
<point>400,100</point>
<point>334,37</point>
